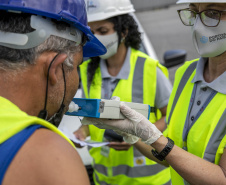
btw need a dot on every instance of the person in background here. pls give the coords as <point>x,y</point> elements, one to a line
<point>196,115</point>
<point>133,76</point>
<point>41,45</point>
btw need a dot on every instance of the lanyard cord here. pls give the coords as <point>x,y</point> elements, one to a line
<point>47,84</point>
<point>64,83</point>
<point>43,113</point>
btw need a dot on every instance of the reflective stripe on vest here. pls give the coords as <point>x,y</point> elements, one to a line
<point>206,138</point>
<point>137,93</point>
<point>133,181</point>
<point>216,138</point>
<point>180,88</point>
<point>134,172</point>
<point>140,87</point>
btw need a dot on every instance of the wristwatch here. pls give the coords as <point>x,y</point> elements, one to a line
<point>166,150</point>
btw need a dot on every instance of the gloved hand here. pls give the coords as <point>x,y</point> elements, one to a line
<point>131,139</point>
<point>135,124</point>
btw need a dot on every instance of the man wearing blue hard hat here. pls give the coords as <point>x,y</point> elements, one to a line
<point>41,45</point>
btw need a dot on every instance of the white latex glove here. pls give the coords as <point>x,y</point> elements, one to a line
<point>135,124</point>
<point>131,139</point>
<point>128,138</point>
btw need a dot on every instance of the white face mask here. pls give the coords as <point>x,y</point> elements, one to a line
<point>209,41</point>
<point>110,42</point>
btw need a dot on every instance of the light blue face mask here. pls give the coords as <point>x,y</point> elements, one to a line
<point>111,44</point>
<point>209,41</point>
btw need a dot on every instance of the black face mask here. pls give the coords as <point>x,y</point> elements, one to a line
<point>57,117</point>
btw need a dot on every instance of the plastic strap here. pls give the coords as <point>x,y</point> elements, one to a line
<point>166,150</point>
<point>44,28</point>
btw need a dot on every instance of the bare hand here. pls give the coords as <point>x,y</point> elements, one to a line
<point>81,134</point>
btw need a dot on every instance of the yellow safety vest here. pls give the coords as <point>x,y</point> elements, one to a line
<point>13,120</point>
<point>127,167</point>
<point>206,138</point>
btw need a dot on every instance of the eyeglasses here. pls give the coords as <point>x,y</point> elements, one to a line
<point>210,18</point>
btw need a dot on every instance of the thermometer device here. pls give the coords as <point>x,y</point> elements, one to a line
<point>102,108</point>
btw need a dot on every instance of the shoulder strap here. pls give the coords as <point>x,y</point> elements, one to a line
<point>10,147</point>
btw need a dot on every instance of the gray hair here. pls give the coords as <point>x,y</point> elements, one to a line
<point>15,59</point>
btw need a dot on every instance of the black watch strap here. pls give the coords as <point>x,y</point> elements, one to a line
<point>166,150</point>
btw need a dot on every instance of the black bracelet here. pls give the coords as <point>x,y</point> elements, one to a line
<point>166,150</point>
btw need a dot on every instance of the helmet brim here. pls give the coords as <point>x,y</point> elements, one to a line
<point>103,16</point>
<point>93,46</point>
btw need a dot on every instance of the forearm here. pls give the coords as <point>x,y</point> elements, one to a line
<point>161,124</point>
<point>192,168</point>
<point>146,151</point>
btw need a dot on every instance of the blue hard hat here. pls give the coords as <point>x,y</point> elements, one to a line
<point>70,11</point>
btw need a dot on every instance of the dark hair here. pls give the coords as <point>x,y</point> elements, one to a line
<point>122,24</point>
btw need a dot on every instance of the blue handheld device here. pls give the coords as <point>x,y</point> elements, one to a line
<point>86,107</point>
<point>101,108</point>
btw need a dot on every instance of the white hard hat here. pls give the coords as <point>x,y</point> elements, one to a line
<point>98,10</point>
<point>200,1</point>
